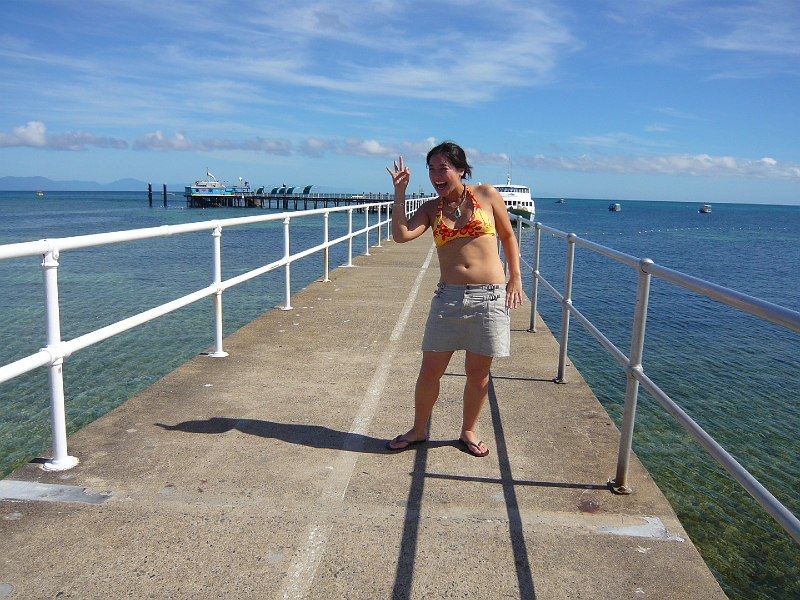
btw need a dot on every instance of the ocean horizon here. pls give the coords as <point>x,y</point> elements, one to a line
<point>737,376</point>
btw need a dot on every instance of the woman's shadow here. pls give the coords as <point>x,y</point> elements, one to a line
<point>314,436</point>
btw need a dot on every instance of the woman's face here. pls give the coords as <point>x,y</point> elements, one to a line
<point>444,176</point>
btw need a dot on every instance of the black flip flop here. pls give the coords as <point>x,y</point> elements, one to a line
<point>472,448</point>
<point>399,439</point>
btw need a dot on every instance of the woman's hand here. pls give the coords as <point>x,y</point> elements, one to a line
<point>400,176</point>
<point>514,292</point>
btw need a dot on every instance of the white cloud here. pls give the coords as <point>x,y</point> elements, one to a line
<point>178,142</point>
<point>697,165</point>
<point>78,140</point>
<point>34,135</point>
<point>762,27</point>
<point>408,49</point>
<point>614,140</point>
<point>160,143</point>
<point>482,158</point>
<point>269,146</point>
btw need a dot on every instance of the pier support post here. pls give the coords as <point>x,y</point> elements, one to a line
<point>61,460</point>
<point>165,195</point>
<point>150,193</point>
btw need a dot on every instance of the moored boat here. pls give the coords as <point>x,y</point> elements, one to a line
<point>706,208</point>
<point>213,187</point>
<point>517,199</point>
<point>614,207</point>
<point>213,192</point>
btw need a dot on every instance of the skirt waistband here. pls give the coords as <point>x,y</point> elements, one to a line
<point>483,287</point>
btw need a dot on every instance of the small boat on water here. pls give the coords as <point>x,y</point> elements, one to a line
<point>561,201</point>
<point>706,208</point>
<point>517,198</point>
<point>39,193</point>
<point>614,207</point>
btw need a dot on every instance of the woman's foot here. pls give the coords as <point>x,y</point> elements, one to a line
<point>403,441</point>
<point>478,449</point>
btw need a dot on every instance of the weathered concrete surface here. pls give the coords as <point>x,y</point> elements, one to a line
<point>264,474</point>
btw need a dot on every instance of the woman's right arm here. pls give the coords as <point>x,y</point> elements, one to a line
<point>403,228</point>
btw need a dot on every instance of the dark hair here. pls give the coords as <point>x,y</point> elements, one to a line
<point>455,156</point>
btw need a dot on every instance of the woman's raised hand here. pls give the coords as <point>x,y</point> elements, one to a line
<point>401,175</point>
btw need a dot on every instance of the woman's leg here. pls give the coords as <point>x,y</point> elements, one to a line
<point>426,392</point>
<point>476,367</point>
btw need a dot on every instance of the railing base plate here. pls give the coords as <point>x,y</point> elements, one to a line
<point>63,464</point>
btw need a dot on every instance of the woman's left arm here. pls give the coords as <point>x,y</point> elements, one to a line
<point>505,233</point>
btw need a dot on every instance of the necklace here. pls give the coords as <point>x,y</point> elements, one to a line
<point>457,212</point>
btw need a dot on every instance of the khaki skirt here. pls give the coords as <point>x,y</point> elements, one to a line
<point>469,317</point>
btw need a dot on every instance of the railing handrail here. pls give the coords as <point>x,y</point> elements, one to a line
<point>34,248</point>
<point>57,349</point>
<point>779,315</point>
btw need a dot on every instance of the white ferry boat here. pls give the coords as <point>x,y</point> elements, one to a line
<point>211,187</point>
<point>517,198</point>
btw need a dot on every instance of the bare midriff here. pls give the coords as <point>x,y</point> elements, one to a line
<point>471,261</point>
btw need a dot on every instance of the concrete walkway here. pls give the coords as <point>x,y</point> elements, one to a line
<point>264,474</point>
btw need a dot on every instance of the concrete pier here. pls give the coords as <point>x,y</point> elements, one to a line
<point>264,474</point>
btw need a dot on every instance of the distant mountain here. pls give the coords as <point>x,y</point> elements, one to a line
<point>22,184</point>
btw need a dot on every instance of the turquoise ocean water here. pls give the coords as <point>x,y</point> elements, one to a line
<point>736,376</point>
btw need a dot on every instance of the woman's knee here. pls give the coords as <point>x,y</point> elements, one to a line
<point>476,368</point>
<point>434,365</point>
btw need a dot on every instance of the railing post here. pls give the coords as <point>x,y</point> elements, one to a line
<point>366,229</point>
<point>562,350</point>
<point>388,222</point>
<point>326,218</point>
<point>380,225</point>
<point>620,481</point>
<point>537,240</point>
<point>287,269</point>
<point>218,352</point>
<point>61,460</point>
<point>349,237</point>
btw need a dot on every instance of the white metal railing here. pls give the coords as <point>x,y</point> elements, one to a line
<point>646,268</point>
<point>56,350</point>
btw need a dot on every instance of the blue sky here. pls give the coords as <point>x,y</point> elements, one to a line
<point>653,100</point>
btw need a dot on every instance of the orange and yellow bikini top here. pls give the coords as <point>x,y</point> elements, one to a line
<point>479,224</point>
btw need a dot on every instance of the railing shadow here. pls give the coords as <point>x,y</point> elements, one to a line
<point>405,563</point>
<point>508,377</point>
<point>515,530</point>
<point>404,574</point>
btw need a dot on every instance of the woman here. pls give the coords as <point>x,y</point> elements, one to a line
<point>470,308</point>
